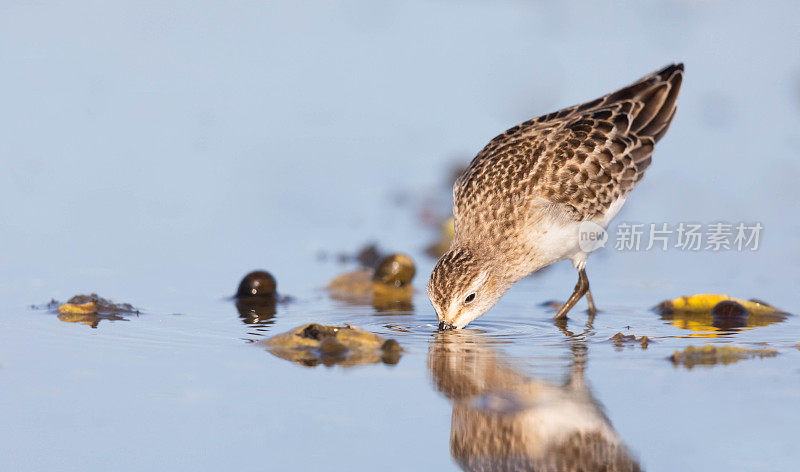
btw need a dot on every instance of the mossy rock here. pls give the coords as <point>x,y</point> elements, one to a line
<point>387,286</point>
<point>313,344</point>
<point>395,271</point>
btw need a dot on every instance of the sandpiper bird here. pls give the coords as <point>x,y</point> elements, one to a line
<point>519,205</point>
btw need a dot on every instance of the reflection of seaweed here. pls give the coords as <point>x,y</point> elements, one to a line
<point>714,355</point>
<point>504,420</point>
<point>89,319</point>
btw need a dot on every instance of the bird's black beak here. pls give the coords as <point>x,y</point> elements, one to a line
<point>443,326</point>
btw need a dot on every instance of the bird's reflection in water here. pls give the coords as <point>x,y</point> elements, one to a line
<point>505,420</point>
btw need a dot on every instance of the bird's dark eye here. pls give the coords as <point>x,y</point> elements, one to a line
<point>469,298</point>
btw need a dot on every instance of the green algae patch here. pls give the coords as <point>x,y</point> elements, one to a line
<point>314,344</point>
<point>714,355</point>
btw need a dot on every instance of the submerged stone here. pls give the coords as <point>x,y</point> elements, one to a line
<point>347,345</point>
<point>620,340</point>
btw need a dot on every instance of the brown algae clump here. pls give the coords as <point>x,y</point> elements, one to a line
<point>347,345</point>
<point>713,355</point>
<point>621,340</point>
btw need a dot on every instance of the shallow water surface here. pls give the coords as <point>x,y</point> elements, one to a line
<point>155,156</point>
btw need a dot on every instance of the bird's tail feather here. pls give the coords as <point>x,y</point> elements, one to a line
<point>657,94</point>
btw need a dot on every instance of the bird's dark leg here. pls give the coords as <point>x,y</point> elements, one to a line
<point>589,297</point>
<point>590,300</point>
<point>581,289</point>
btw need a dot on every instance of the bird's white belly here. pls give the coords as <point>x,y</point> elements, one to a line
<point>556,237</point>
<point>554,241</point>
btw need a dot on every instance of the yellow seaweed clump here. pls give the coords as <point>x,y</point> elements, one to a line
<point>713,355</point>
<point>88,308</point>
<point>314,344</point>
<point>710,313</point>
<point>705,302</point>
<point>91,309</point>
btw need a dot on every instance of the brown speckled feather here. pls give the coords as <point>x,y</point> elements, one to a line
<point>582,158</point>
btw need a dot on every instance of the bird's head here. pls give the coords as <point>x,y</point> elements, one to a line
<point>463,287</point>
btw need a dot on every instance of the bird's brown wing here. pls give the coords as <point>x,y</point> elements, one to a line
<point>584,157</point>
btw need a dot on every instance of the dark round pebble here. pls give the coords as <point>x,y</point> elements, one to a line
<point>396,270</point>
<point>257,284</point>
<point>729,314</point>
